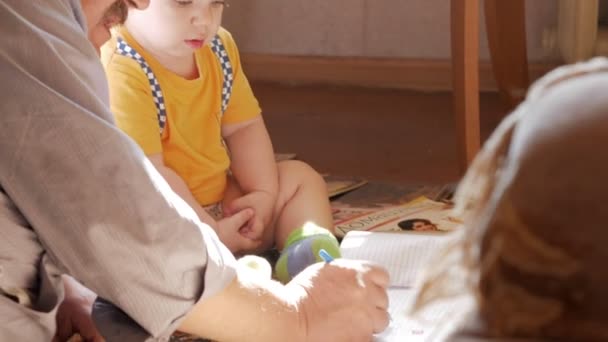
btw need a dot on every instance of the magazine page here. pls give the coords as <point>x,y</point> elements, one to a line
<point>284,156</point>
<point>337,185</point>
<point>404,255</point>
<point>421,214</point>
<point>343,214</point>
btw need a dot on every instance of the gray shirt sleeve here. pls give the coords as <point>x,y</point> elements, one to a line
<point>98,207</point>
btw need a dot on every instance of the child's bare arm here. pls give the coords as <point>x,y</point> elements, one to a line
<point>252,156</point>
<point>227,229</point>
<point>179,187</point>
<point>253,166</point>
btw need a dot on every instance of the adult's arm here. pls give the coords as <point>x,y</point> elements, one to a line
<point>98,207</point>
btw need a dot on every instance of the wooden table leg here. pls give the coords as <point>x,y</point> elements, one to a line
<point>506,26</point>
<point>465,71</point>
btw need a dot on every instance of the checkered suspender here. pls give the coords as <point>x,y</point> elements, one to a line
<point>217,47</point>
<point>224,60</point>
<point>157,94</point>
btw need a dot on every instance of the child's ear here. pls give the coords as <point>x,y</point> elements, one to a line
<point>139,4</point>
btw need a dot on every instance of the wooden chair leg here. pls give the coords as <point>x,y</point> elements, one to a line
<point>577,29</point>
<point>465,72</point>
<point>506,26</point>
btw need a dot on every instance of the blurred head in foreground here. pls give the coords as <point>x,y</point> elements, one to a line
<point>534,250</point>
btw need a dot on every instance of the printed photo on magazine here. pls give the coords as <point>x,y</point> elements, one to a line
<point>420,215</point>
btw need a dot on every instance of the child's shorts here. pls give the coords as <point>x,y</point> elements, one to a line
<point>215,210</point>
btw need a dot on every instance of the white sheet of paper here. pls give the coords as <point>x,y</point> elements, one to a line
<point>434,323</point>
<point>404,255</point>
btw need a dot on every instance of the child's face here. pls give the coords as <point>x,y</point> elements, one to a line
<point>179,27</point>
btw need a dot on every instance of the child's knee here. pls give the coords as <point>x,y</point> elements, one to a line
<point>296,172</point>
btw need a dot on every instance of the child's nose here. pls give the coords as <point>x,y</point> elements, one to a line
<point>203,17</point>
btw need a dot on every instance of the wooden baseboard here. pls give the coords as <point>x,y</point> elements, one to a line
<point>415,74</point>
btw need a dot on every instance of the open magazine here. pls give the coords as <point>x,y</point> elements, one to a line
<point>337,185</point>
<point>284,156</point>
<point>420,214</point>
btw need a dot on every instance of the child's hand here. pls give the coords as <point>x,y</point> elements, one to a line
<point>263,205</point>
<point>228,231</point>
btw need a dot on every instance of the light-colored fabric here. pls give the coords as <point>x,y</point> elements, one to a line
<point>78,196</point>
<point>191,142</point>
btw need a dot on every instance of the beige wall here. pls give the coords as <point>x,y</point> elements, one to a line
<point>363,28</point>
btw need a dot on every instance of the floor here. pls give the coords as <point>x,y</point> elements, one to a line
<point>381,134</point>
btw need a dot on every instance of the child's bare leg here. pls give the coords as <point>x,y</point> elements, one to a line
<point>302,198</point>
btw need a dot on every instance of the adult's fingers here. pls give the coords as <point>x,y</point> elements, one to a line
<point>377,275</point>
<point>378,296</point>
<point>64,327</point>
<point>381,319</point>
<point>89,332</point>
<point>378,303</point>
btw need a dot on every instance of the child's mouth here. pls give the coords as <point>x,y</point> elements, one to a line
<point>195,43</point>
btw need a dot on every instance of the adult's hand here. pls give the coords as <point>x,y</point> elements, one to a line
<point>74,313</point>
<point>344,300</point>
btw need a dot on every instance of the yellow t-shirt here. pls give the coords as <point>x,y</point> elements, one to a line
<point>191,143</point>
